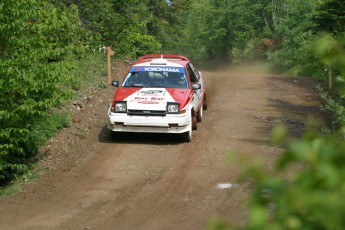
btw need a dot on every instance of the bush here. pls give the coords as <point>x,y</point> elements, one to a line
<point>305,189</point>
<point>36,38</point>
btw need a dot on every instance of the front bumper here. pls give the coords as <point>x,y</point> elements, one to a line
<point>171,123</point>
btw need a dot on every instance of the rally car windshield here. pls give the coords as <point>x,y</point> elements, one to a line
<point>156,79</point>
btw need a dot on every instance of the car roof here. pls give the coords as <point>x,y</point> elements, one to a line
<point>162,60</point>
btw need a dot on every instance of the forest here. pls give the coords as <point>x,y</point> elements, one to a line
<point>51,49</point>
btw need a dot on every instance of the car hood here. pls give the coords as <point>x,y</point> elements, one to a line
<point>153,98</point>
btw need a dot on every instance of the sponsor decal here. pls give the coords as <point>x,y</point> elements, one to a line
<point>158,69</point>
<point>148,102</point>
<point>157,99</point>
<point>140,98</point>
<point>148,92</point>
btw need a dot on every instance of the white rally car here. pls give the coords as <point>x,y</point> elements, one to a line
<point>161,93</point>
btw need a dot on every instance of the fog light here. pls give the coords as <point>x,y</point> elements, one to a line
<point>173,125</point>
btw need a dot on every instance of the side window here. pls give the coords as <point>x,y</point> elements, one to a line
<point>193,77</point>
<point>196,72</point>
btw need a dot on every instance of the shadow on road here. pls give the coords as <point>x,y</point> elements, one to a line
<point>295,103</point>
<point>139,138</point>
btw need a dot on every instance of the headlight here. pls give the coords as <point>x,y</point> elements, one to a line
<point>120,107</point>
<point>173,108</point>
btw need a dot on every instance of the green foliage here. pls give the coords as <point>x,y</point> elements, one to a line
<point>231,31</point>
<point>297,57</point>
<point>35,38</point>
<point>167,23</point>
<point>90,70</point>
<point>303,191</point>
<point>9,190</point>
<point>47,126</point>
<point>132,38</point>
<point>132,28</point>
<point>281,31</point>
<point>334,107</point>
<point>311,197</point>
<point>15,186</point>
<point>295,54</point>
<point>301,27</point>
<point>330,17</point>
<point>331,51</point>
<point>250,21</point>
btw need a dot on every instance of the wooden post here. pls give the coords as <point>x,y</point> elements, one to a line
<point>109,64</point>
<point>330,78</point>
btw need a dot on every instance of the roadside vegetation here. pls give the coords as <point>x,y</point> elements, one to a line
<point>51,50</point>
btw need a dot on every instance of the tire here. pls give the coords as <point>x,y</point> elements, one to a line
<point>200,114</point>
<point>194,121</point>
<point>204,103</point>
<point>187,136</point>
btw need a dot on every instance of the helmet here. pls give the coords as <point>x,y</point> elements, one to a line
<point>181,78</point>
<point>177,79</point>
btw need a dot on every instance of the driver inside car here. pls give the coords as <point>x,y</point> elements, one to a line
<point>178,79</point>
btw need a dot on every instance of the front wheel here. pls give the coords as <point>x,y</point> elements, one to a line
<point>187,136</point>
<point>200,113</point>
<point>204,103</point>
<point>194,121</point>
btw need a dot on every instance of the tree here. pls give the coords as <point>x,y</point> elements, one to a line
<point>295,54</point>
<point>330,17</point>
<point>230,30</point>
<point>135,27</point>
<point>208,31</point>
<point>35,38</point>
<point>166,22</point>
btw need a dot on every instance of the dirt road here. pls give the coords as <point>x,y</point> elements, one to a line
<point>155,181</point>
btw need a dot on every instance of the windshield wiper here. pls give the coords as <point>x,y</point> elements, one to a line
<point>157,86</point>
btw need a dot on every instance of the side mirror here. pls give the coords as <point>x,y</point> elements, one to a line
<point>196,86</point>
<point>115,83</point>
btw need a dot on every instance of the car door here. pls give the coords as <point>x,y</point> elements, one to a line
<point>195,78</point>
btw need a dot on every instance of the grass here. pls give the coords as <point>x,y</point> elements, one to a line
<point>14,186</point>
<point>90,71</point>
<point>9,190</point>
<point>47,126</point>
